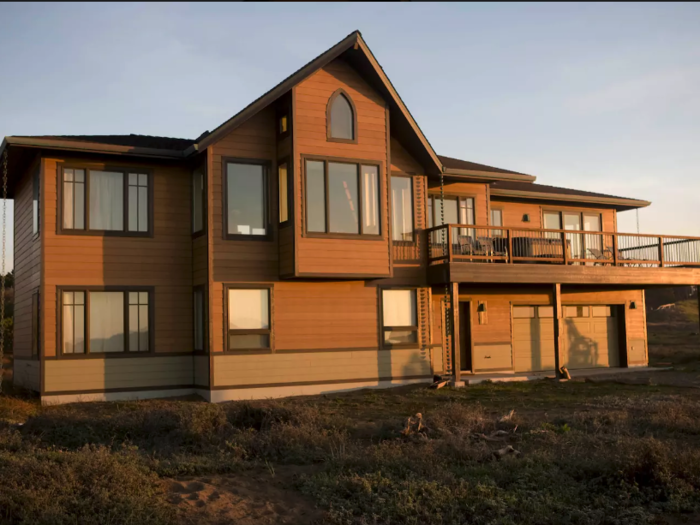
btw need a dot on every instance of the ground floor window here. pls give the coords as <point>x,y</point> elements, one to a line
<point>106,321</point>
<point>399,318</point>
<point>249,326</point>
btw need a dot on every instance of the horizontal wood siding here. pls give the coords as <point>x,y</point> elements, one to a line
<point>237,370</point>
<point>514,211</point>
<point>70,375</point>
<point>339,256</point>
<point>201,370</point>
<point>27,374</point>
<point>163,261</point>
<point>27,263</point>
<point>402,160</point>
<point>325,315</point>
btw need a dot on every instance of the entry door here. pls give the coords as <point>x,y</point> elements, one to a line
<point>572,221</point>
<point>591,223</point>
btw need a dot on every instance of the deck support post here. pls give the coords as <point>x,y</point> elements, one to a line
<point>697,293</point>
<point>457,353</point>
<point>558,332</point>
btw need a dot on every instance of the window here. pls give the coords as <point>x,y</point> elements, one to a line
<point>284,187</point>
<point>497,220</point>
<point>199,319</point>
<point>399,318</point>
<point>401,209</point>
<point>107,209</point>
<point>523,312</point>
<point>457,210</point>
<point>35,201</point>
<point>283,124</point>
<point>342,198</point>
<point>576,311</point>
<point>35,324</point>
<point>602,311</point>
<point>342,118</point>
<point>198,196</point>
<point>246,198</point>
<point>105,321</point>
<point>248,319</point>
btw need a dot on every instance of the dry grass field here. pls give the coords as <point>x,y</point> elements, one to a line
<point>624,450</point>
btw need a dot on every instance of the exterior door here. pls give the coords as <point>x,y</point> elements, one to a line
<point>572,221</point>
<point>533,338</point>
<point>593,244</point>
<point>591,337</point>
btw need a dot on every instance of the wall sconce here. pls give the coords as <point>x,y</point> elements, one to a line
<point>481,312</point>
<point>526,217</point>
<point>481,307</point>
<point>633,305</point>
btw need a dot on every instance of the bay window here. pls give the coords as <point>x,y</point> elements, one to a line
<point>342,198</point>
<point>105,321</point>
<point>399,318</point>
<point>93,201</point>
<point>245,199</point>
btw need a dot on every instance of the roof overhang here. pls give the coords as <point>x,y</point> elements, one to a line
<point>619,204</point>
<point>486,176</point>
<point>91,147</point>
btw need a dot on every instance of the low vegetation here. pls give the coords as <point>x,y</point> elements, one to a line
<point>603,452</point>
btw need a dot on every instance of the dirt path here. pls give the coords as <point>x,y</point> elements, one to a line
<point>250,498</point>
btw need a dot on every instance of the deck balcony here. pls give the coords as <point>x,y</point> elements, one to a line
<point>468,253</point>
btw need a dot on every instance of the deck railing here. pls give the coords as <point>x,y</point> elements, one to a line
<point>496,244</point>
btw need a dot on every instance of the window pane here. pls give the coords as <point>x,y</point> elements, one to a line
<point>68,326</point>
<point>370,200</point>
<point>133,208</point>
<point>283,192</point>
<point>68,204</point>
<point>197,201</point>
<point>552,221</point>
<point>198,320</point>
<point>398,337</point>
<point>602,311</point>
<point>283,124</point>
<point>399,307</point>
<point>79,198</point>
<point>35,203</point>
<point>401,209</point>
<point>133,328</point>
<point>79,175</point>
<point>466,210</point>
<point>106,200</point>
<point>106,322</point>
<point>143,209</point>
<point>246,199</point>
<point>79,297</point>
<point>341,119</point>
<point>79,333</point>
<point>248,309</point>
<point>451,215</point>
<point>342,198</point>
<point>545,312</point>
<point>496,218</point>
<point>430,212</point>
<point>245,341</point>
<point>143,328</point>
<point>315,197</point>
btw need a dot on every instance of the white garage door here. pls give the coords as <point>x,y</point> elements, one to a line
<point>590,337</point>
<point>533,338</point>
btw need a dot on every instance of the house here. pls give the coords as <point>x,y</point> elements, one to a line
<point>314,242</point>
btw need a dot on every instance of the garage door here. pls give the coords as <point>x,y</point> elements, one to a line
<point>533,338</point>
<point>590,337</point>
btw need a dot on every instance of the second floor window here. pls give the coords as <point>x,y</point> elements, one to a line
<point>93,201</point>
<point>35,201</point>
<point>457,210</point>
<point>497,220</point>
<point>401,209</point>
<point>342,198</point>
<point>246,199</point>
<point>342,119</point>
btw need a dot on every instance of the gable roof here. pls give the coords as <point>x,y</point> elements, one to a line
<point>531,190</point>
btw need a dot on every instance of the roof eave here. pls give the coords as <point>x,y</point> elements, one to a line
<point>490,175</point>
<point>92,147</point>
<point>620,203</point>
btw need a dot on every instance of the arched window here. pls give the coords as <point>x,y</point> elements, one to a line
<point>342,118</point>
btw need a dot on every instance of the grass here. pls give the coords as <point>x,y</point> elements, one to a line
<point>587,453</point>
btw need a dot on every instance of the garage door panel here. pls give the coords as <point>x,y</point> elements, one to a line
<point>533,344</point>
<point>591,342</point>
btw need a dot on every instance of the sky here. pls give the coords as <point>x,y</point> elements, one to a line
<point>602,97</point>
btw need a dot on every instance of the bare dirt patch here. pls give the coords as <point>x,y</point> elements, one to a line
<point>245,499</point>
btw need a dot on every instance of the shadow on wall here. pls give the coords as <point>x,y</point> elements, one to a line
<point>583,352</point>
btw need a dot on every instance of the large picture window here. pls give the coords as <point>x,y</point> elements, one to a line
<point>94,201</point>
<point>248,319</point>
<point>246,199</point>
<point>399,318</point>
<point>105,321</point>
<point>401,209</point>
<point>342,198</point>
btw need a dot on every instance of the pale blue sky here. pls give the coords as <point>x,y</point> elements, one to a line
<point>603,97</point>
